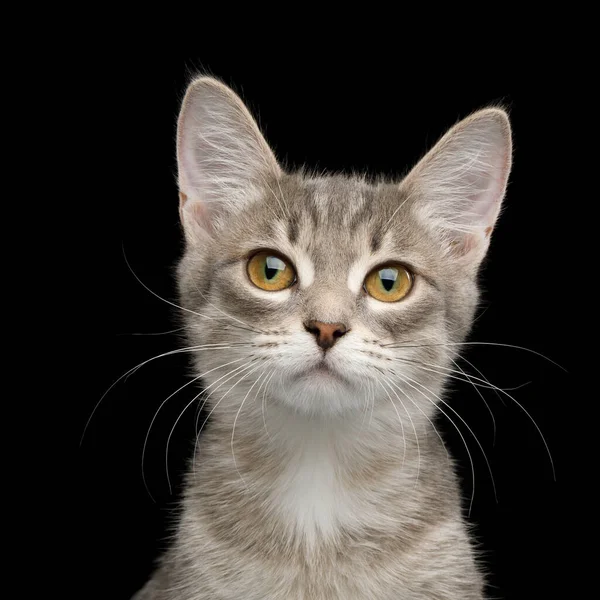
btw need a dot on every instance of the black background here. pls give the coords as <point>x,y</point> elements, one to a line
<point>337,115</point>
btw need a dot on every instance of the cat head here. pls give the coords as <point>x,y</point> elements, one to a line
<point>330,293</point>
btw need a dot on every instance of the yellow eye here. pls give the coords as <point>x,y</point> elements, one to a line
<point>389,283</point>
<point>270,272</point>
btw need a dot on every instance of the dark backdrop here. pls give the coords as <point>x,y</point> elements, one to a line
<point>339,116</point>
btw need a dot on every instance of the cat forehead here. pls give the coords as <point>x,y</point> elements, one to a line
<point>333,216</point>
<point>337,201</point>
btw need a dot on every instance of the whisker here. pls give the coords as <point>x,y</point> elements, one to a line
<point>260,388</point>
<point>209,414</point>
<point>414,430</point>
<point>225,394</point>
<point>423,413</point>
<point>434,336</point>
<point>461,436</point>
<point>199,412</point>
<point>145,362</point>
<point>485,379</point>
<point>367,402</point>
<point>466,379</point>
<point>395,345</point>
<point>401,424</point>
<point>516,402</point>
<point>406,380</point>
<point>163,403</point>
<point>193,312</point>
<point>231,374</point>
<point>481,396</point>
<point>233,325</point>
<point>372,404</point>
<point>370,399</point>
<point>234,423</point>
<point>264,403</point>
<point>250,328</point>
<point>154,333</point>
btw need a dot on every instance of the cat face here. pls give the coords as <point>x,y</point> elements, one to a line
<point>331,294</point>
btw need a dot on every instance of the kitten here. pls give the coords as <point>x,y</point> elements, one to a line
<point>324,312</point>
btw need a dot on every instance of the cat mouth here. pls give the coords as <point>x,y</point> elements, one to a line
<point>323,371</point>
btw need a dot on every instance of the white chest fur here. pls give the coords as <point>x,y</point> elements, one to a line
<point>309,496</point>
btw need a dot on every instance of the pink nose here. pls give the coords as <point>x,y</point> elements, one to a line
<point>327,334</point>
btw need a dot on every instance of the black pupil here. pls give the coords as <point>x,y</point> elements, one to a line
<point>273,266</point>
<point>388,278</point>
<point>388,284</point>
<point>270,273</point>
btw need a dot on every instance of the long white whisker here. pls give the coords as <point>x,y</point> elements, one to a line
<point>481,396</point>
<point>367,401</point>
<point>401,425</point>
<point>145,362</point>
<point>154,333</point>
<point>250,328</point>
<point>467,377</point>
<point>260,388</point>
<point>414,430</point>
<point>193,312</point>
<point>485,379</point>
<point>372,404</point>
<point>502,391</point>
<point>423,413</point>
<point>264,403</point>
<point>406,380</point>
<point>234,423</point>
<point>231,374</point>
<point>225,394</point>
<point>373,395</point>
<point>459,433</point>
<point>163,403</point>
<point>395,345</point>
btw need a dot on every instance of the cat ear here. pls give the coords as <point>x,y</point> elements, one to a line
<point>222,156</point>
<point>459,185</point>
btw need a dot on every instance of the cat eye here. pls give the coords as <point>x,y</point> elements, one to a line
<point>271,272</point>
<point>389,283</point>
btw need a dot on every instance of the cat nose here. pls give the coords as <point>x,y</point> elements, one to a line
<point>327,334</point>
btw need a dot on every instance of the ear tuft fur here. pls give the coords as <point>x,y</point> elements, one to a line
<point>222,156</point>
<point>460,183</point>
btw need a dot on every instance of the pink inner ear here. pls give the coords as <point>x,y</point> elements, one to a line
<point>477,241</point>
<point>195,214</point>
<point>464,245</point>
<point>200,214</point>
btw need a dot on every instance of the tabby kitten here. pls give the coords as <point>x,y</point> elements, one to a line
<point>323,313</point>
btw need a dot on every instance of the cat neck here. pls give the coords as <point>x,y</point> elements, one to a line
<point>281,432</point>
<point>316,474</point>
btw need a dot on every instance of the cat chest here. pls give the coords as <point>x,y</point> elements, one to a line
<point>311,500</point>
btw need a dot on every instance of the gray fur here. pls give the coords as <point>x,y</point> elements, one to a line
<point>379,514</point>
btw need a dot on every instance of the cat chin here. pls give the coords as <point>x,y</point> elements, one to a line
<point>321,393</point>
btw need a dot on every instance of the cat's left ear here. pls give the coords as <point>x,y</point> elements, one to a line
<point>459,185</point>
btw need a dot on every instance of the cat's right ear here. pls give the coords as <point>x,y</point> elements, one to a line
<point>222,157</point>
